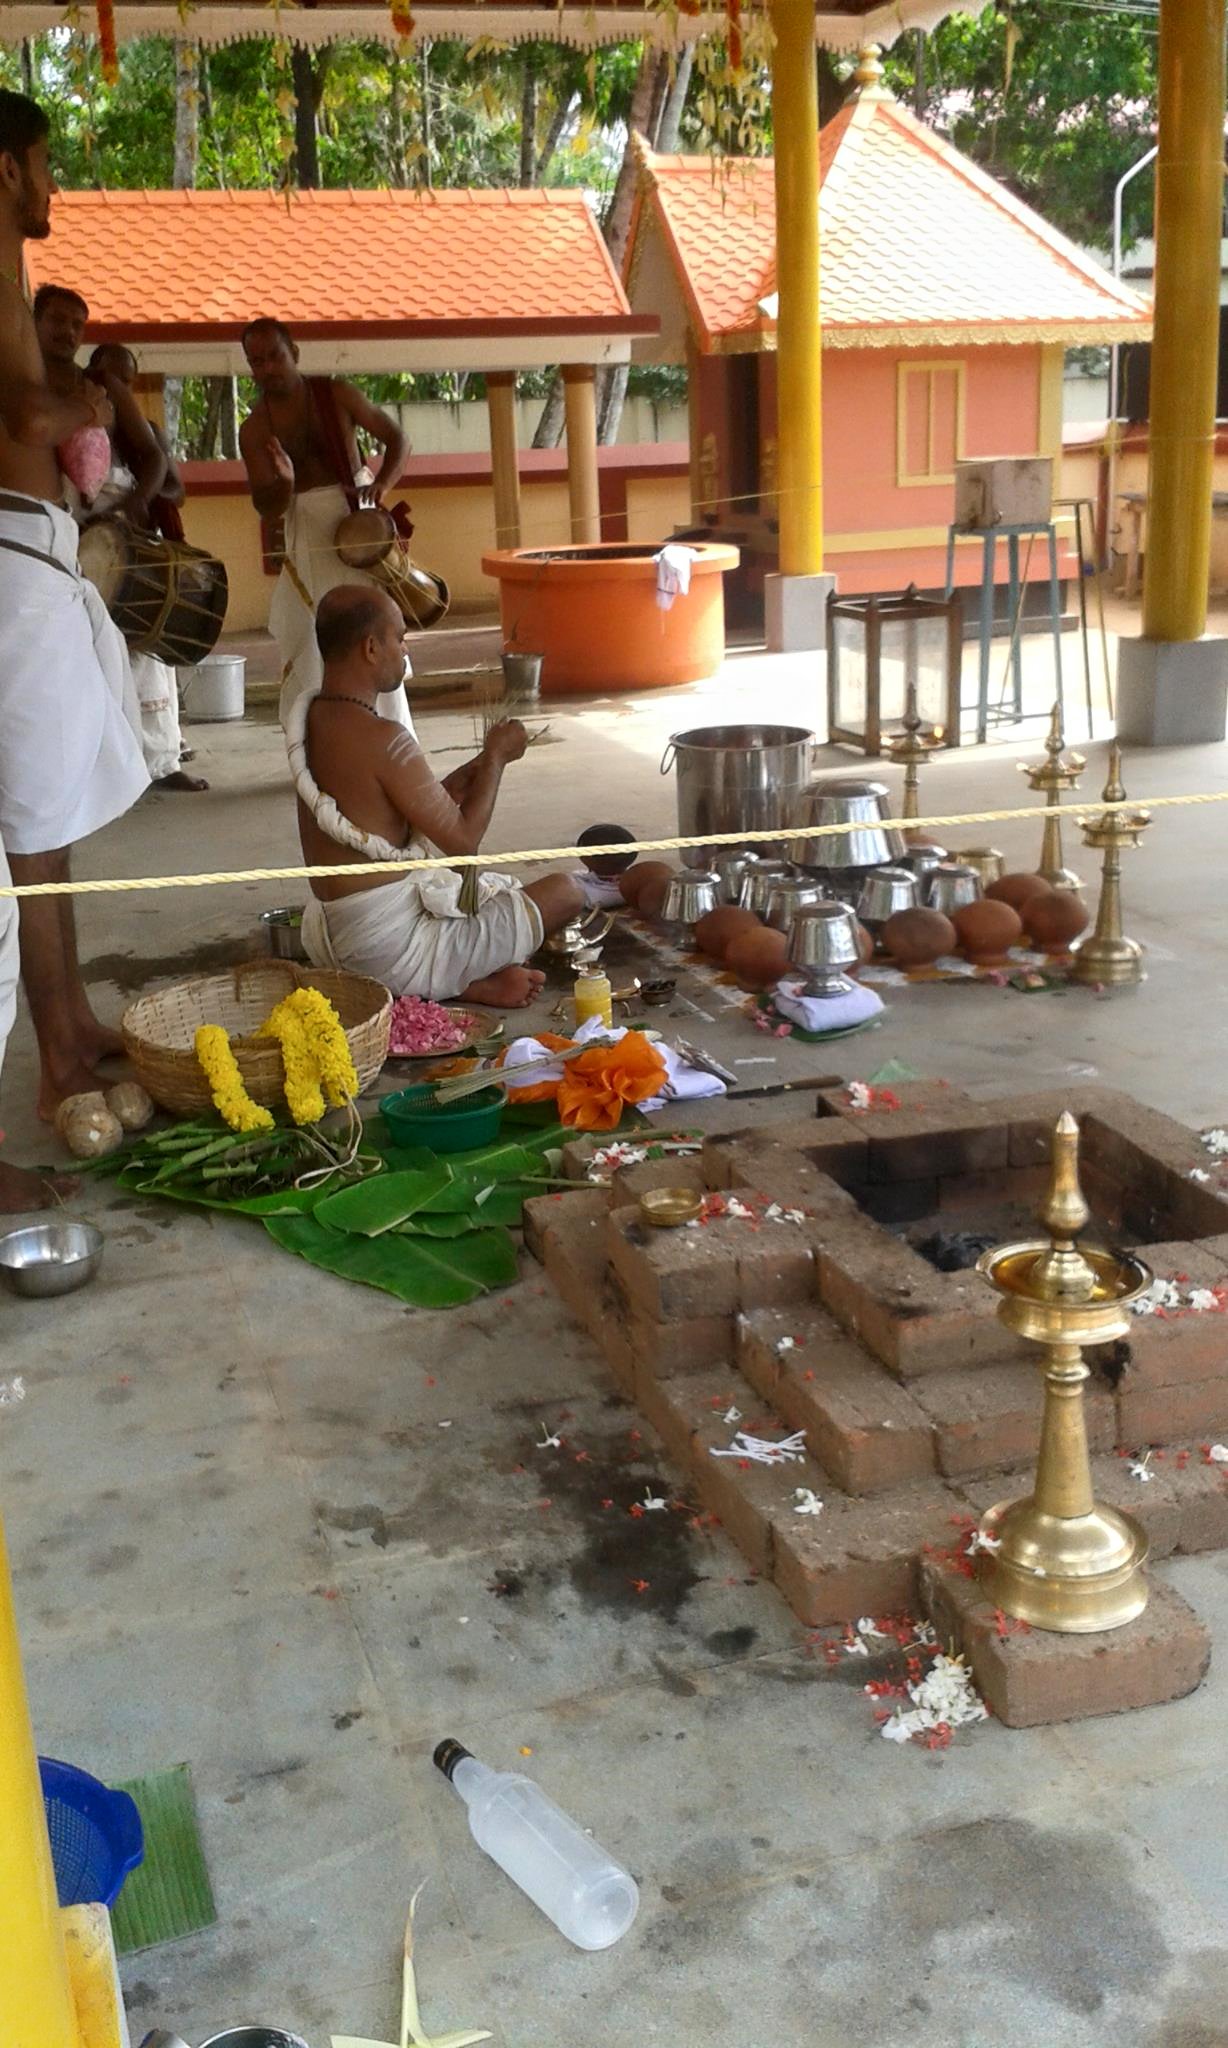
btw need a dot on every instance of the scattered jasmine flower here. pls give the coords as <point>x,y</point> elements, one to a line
<point>867,1626</point>
<point>1216,1143</point>
<point>978,1541</point>
<point>12,1390</point>
<point>735,1208</point>
<point>806,1501</point>
<point>1203,1298</point>
<point>1138,1468</point>
<point>784,1344</point>
<point>856,1647</point>
<point>653,1502</point>
<point>548,1442</point>
<point>1198,1173</point>
<point>795,1215</point>
<point>1218,1453</point>
<point>732,1415</point>
<point>945,1698</point>
<point>859,1096</point>
<point>758,1450</point>
<point>1160,1295</point>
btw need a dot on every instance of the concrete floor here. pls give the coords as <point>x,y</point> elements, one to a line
<point>294,1534</point>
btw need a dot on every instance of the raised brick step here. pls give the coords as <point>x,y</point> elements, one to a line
<point>991,1419</point>
<point>865,1429</point>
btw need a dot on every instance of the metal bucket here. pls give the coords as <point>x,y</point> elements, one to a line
<point>283,934</point>
<point>738,778</point>
<point>214,690</point>
<point>522,677</point>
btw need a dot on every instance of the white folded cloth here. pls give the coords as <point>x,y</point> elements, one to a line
<point>683,1083</point>
<point>673,573</point>
<point>826,1013</point>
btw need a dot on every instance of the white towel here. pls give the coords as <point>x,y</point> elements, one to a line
<point>683,1083</point>
<point>826,1013</point>
<point>673,573</point>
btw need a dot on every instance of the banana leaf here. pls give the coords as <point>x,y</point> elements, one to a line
<point>373,1206</point>
<point>420,1273</point>
<point>284,1202</point>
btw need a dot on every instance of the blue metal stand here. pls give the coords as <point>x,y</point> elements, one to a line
<point>989,538</point>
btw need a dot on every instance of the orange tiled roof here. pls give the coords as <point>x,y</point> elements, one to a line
<point>159,265</point>
<point>918,246</point>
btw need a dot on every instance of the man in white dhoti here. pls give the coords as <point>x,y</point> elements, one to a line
<point>300,447</point>
<point>156,682</point>
<point>70,761</point>
<point>366,792</point>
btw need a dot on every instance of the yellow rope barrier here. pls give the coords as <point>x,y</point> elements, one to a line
<point>533,856</point>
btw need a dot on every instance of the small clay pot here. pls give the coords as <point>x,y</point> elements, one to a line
<point>1018,889</point>
<point>914,937</point>
<point>651,898</point>
<point>1054,921</point>
<point>715,933</point>
<point>987,930</point>
<point>758,959</point>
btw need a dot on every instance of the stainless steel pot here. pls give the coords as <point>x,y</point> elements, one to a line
<point>858,806</point>
<point>689,896</point>
<point>737,778</point>
<point>283,933</point>
<point>730,866</point>
<point>822,942</point>
<point>949,887</point>
<point>758,883</point>
<point>785,899</point>
<point>884,891</point>
<point>921,860</point>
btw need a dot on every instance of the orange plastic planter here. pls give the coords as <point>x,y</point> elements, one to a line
<point>592,614</point>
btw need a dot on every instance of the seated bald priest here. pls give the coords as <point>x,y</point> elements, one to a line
<point>367,792</point>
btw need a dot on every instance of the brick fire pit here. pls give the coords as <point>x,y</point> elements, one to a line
<point>916,1405</point>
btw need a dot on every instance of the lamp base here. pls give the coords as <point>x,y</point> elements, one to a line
<point>1108,963</point>
<point>1075,1575</point>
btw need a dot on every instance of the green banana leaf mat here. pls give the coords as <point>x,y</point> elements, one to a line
<point>169,1894</point>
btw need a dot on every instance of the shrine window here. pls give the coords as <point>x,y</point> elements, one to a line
<point>929,422</point>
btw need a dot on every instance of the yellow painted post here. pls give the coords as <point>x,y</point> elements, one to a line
<point>36,2002</point>
<point>1185,350</point>
<point>583,488</point>
<point>795,130</point>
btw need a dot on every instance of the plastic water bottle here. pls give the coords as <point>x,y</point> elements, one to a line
<point>590,1898</point>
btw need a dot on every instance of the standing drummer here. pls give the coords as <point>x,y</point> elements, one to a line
<point>300,447</point>
<point>157,683</point>
<point>138,472</point>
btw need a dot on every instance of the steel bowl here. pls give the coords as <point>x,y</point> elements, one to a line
<point>689,896</point>
<point>283,934</point>
<point>922,860</point>
<point>860,808</point>
<point>884,891</point>
<point>985,861</point>
<point>785,899</point>
<point>822,942</point>
<point>50,1258</point>
<point>759,882</point>
<point>949,887</point>
<point>731,866</point>
<point>254,2037</point>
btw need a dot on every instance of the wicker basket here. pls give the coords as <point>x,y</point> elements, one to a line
<point>160,1030</point>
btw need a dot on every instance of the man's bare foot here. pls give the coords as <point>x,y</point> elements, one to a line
<point>97,1042</point>
<point>20,1189</point>
<point>511,989</point>
<point>53,1089</point>
<point>178,780</point>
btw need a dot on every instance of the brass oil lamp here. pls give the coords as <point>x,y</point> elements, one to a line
<point>1107,959</point>
<point>1058,1559</point>
<point>1054,775</point>
<point>909,749</point>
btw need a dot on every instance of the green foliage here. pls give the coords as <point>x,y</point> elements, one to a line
<point>1079,109</point>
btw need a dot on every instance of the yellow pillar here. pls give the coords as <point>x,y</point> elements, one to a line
<point>36,2002</point>
<point>1185,351</point>
<point>795,129</point>
<point>580,409</point>
<point>504,456</point>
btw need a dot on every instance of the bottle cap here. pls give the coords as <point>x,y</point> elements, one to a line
<point>448,1754</point>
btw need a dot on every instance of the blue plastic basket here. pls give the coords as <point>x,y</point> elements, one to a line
<point>96,1835</point>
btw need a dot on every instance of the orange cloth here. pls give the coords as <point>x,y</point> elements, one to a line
<point>594,1087</point>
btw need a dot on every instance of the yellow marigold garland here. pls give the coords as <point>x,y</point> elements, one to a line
<point>229,1095</point>
<point>315,1054</point>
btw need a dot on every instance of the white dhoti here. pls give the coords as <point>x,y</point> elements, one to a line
<point>313,566</point>
<point>8,957</point>
<point>158,692</point>
<point>70,758</point>
<point>399,934</point>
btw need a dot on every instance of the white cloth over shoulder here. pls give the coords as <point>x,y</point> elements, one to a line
<point>313,567</point>
<point>70,756</point>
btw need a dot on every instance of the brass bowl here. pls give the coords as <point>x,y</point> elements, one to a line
<point>988,863</point>
<point>668,1208</point>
